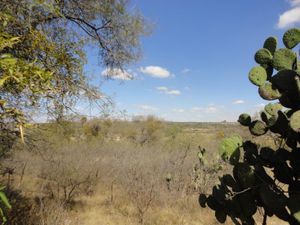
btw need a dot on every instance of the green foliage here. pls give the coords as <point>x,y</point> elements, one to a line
<point>266,177</point>
<point>4,204</point>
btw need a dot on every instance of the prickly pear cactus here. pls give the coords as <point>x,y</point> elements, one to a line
<point>265,177</point>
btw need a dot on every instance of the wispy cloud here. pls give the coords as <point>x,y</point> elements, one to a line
<point>168,91</point>
<point>155,71</point>
<point>290,17</point>
<point>185,70</point>
<point>208,109</point>
<point>147,108</point>
<point>117,74</point>
<point>239,101</point>
<point>178,110</point>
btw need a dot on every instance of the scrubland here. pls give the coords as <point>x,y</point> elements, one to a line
<point>101,171</point>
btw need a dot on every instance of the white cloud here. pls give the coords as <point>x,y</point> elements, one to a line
<point>236,102</point>
<point>162,88</point>
<point>295,2</point>
<point>291,17</point>
<point>168,91</point>
<point>178,110</point>
<point>211,109</point>
<point>155,71</point>
<point>117,74</point>
<point>147,108</point>
<point>208,109</point>
<point>185,70</point>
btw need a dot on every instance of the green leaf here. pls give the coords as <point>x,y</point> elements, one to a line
<point>4,199</point>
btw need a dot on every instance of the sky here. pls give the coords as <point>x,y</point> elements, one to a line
<point>195,63</point>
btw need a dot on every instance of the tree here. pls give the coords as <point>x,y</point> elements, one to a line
<point>42,53</point>
<point>42,57</point>
<point>266,177</point>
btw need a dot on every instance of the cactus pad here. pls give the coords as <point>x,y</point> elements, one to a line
<point>258,75</point>
<point>267,92</point>
<point>291,38</point>
<point>284,80</point>
<point>263,56</point>
<point>258,128</point>
<point>229,146</point>
<point>295,121</point>
<point>273,108</point>
<point>271,44</point>
<point>244,174</point>
<point>245,119</point>
<point>284,59</point>
<point>268,119</point>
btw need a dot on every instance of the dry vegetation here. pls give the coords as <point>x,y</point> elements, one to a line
<point>114,172</point>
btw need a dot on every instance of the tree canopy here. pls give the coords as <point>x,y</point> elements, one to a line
<point>42,52</point>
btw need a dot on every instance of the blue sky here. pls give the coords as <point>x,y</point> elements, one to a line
<point>195,63</point>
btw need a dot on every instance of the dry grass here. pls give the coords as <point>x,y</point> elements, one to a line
<point>117,174</point>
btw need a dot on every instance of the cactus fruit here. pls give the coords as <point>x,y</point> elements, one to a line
<point>258,75</point>
<point>263,56</point>
<point>273,108</point>
<point>284,59</point>
<point>258,128</point>
<point>268,92</point>
<point>291,38</point>
<point>229,146</point>
<point>271,44</point>
<point>295,121</point>
<point>245,119</point>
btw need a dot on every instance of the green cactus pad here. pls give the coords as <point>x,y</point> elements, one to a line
<point>229,146</point>
<point>273,108</point>
<point>245,119</point>
<point>284,59</point>
<point>291,38</point>
<point>295,121</point>
<point>258,128</point>
<point>271,44</point>
<point>244,174</point>
<point>267,92</point>
<point>258,75</point>
<point>263,56</point>
<point>268,119</point>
